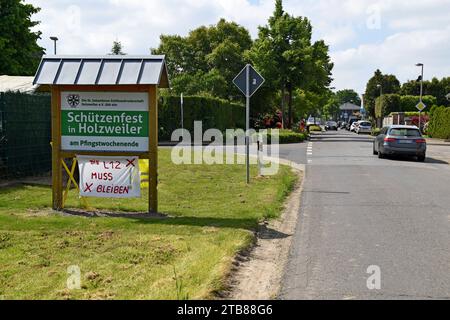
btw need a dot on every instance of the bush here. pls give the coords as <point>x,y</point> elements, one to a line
<point>439,125</point>
<point>213,112</point>
<point>315,129</point>
<point>408,103</point>
<point>386,104</point>
<point>376,132</point>
<point>287,136</point>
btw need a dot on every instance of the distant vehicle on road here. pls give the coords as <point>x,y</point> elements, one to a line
<point>331,125</point>
<point>400,140</point>
<point>350,122</point>
<point>314,121</point>
<point>354,126</point>
<point>364,127</point>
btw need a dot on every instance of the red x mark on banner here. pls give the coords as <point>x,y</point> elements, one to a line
<point>88,187</point>
<point>130,163</point>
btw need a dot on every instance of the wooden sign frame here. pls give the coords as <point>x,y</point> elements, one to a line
<point>58,154</point>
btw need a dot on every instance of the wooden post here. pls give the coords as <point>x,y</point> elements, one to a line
<point>153,150</point>
<point>56,150</point>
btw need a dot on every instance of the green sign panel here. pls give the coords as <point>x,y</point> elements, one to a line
<point>104,121</point>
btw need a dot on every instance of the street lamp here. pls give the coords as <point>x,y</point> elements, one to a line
<point>381,89</point>
<point>54,39</point>
<point>381,93</point>
<point>421,94</point>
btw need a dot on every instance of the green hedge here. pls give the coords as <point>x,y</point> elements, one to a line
<point>376,132</point>
<point>412,114</point>
<point>389,103</point>
<point>315,129</point>
<point>287,136</point>
<point>214,113</point>
<point>439,126</point>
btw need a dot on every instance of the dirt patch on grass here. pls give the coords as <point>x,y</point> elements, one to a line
<point>257,273</point>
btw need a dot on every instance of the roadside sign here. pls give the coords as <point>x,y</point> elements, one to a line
<point>104,121</point>
<point>248,82</point>
<point>421,106</point>
<point>254,82</point>
<point>109,177</point>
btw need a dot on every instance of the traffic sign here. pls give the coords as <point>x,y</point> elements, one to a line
<point>254,81</point>
<point>248,81</point>
<point>421,106</point>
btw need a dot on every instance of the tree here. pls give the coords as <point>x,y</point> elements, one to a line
<point>435,87</point>
<point>207,60</point>
<point>348,95</point>
<point>116,49</point>
<point>287,58</point>
<point>20,53</point>
<point>335,100</point>
<point>389,84</point>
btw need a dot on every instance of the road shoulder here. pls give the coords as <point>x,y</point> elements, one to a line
<point>258,274</point>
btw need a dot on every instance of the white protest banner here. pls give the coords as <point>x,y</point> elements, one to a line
<point>109,177</point>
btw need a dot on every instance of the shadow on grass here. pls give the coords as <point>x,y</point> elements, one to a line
<point>167,219</point>
<point>263,231</point>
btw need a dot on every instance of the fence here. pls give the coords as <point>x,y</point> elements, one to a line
<point>25,135</point>
<point>25,127</point>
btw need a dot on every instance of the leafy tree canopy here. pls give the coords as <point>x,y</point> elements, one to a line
<point>288,59</point>
<point>20,53</point>
<point>435,87</point>
<point>207,60</point>
<point>379,84</point>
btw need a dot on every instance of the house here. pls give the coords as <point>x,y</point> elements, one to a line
<point>348,110</point>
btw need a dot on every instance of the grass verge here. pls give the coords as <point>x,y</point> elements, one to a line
<point>212,215</point>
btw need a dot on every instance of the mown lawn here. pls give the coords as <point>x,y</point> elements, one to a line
<point>211,216</point>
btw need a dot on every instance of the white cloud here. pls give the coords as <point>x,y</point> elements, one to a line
<point>397,55</point>
<point>409,30</point>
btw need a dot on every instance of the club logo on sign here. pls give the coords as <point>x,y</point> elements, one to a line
<point>73,100</point>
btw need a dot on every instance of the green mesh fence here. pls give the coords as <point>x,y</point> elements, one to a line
<point>25,135</point>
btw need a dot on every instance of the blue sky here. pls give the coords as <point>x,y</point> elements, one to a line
<point>363,35</point>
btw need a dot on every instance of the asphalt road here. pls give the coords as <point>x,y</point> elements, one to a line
<point>359,211</point>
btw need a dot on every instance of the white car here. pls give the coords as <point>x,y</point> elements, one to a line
<point>363,127</point>
<point>354,126</point>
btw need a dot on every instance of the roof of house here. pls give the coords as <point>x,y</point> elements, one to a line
<point>350,107</point>
<point>103,70</point>
<point>17,84</point>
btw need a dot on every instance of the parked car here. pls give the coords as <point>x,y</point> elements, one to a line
<point>350,122</point>
<point>364,127</point>
<point>400,140</point>
<point>354,126</point>
<point>331,125</point>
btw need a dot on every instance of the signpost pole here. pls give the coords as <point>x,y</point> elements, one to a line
<point>247,116</point>
<point>248,82</point>
<point>56,150</point>
<point>182,112</point>
<point>153,150</point>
